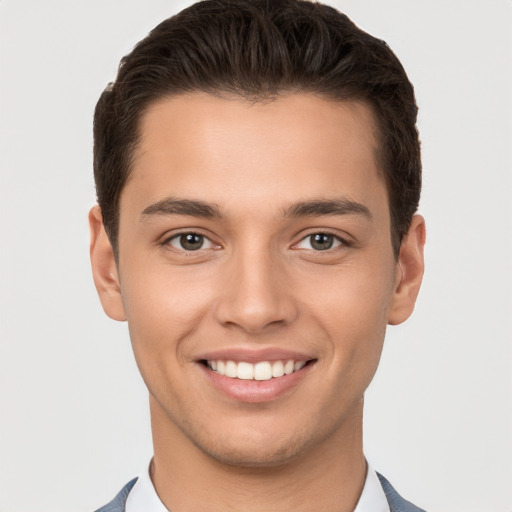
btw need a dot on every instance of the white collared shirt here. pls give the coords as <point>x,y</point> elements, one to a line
<point>143,497</point>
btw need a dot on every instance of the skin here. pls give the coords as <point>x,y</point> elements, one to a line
<point>257,283</point>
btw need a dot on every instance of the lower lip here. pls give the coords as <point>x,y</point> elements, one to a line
<point>255,391</point>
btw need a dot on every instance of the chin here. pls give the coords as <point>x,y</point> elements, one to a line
<point>261,456</point>
<point>255,448</point>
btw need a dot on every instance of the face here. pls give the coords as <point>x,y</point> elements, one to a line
<point>256,271</point>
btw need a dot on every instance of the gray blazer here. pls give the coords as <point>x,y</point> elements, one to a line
<point>396,502</point>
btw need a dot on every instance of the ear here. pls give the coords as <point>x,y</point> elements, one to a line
<point>409,272</point>
<point>104,269</point>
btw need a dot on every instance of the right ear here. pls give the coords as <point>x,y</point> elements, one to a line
<point>104,269</point>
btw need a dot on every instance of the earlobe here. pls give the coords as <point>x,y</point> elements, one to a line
<point>410,267</point>
<point>104,269</point>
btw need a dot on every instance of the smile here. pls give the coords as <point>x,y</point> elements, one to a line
<point>262,370</point>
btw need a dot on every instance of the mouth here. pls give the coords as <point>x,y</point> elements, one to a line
<point>258,371</point>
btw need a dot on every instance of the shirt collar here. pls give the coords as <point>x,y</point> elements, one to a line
<point>372,498</point>
<point>143,496</point>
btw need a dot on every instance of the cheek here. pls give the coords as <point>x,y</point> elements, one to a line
<point>163,307</point>
<point>353,311</point>
<point>163,313</point>
<point>355,297</point>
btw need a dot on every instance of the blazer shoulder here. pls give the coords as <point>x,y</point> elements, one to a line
<point>396,502</point>
<point>118,504</point>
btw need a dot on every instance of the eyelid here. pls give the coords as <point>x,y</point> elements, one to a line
<point>343,241</point>
<point>176,238</point>
<point>167,238</point>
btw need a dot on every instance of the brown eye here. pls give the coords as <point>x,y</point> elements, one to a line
<point>320,242</point>
<point>190,242</point>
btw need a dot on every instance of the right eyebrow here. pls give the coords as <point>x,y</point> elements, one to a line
<point>190,207</point>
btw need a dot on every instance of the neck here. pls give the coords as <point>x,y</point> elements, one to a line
<point>330,474</point>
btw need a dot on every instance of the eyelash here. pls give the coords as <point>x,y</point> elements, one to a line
<point>341,242</point>
<point>168,241</point>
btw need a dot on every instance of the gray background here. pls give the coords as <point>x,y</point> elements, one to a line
<point>74,422</point>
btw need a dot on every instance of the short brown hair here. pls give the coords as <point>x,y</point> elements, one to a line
<point>258,49</point>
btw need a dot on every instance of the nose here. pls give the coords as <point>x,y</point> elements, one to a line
<point>256,293</point>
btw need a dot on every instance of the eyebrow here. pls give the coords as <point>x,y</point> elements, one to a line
<point>190,207</point>
<point>317,208</point>
<point>202,209</point>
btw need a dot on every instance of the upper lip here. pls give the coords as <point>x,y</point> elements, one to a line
<point>254,356</point>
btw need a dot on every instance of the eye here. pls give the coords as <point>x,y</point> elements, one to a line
<point>320,242</point>
<point>189,242</point>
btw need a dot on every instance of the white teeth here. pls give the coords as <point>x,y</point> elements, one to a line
<point>278,369</point>
<point>289,367</point>
<point>264,370</point>
<point>245,371</point>
<point>230,370</point>
<point>299,365</point>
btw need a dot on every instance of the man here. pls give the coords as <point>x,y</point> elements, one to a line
<point>258,172</point>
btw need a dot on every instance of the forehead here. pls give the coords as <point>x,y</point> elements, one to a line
<point>226,148</point>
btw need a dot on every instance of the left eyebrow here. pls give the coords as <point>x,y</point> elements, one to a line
<point>317,208</point>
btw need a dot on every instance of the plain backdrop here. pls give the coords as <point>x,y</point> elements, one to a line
<point>74,424</point>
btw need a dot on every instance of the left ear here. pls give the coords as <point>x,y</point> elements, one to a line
<point>410,266</point>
